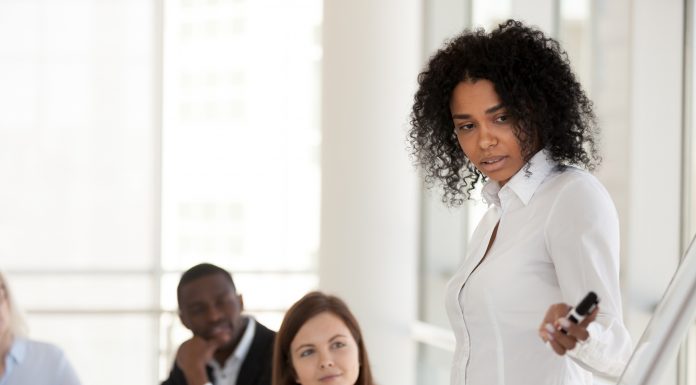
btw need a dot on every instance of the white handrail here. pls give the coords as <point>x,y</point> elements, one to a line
<point>668,326</point>
<point>433,335</point>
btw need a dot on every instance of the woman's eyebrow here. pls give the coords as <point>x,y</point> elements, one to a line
<point>495,108</point>
<point>488,111</point>
<point>337,336</point>
<point>303,346</point>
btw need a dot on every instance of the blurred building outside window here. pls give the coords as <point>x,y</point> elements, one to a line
<point>141,138</point>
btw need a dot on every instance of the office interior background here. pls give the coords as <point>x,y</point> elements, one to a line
<point>138,138</point>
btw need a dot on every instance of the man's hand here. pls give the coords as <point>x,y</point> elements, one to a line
<point>555,319</point>
<point>192,357</point>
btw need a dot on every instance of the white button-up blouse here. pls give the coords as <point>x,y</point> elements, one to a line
<point>558,238</point>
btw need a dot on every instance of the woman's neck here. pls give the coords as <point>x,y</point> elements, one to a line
<point>5,344</point>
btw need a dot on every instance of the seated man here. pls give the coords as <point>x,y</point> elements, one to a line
<point>227,348</point>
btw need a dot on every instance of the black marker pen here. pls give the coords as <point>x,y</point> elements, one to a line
<point>584,308</point>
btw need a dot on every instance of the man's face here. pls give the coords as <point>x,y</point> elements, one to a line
<point>211,309</point>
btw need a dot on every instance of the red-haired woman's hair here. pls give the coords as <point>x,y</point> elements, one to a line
<point>303,310</point>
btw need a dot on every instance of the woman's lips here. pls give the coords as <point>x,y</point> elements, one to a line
<point>329,378</point>
<point>492,163</point>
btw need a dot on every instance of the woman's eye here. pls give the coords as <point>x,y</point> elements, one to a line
<point>465,127</point>
<point>338,345</point>
<point>502,118</point>
<point>306,353</point>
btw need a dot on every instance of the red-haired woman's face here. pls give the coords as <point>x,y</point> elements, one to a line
<point>485,131</point>
<point>325,352</point>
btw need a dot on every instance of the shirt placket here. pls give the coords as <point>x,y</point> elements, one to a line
<point>467,342</point>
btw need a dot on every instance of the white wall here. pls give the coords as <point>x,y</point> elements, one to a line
<point>637,90</point>
<point>654,167</point>
<point>369,211</point>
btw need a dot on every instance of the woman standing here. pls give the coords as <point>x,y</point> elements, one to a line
<point>504,108</point>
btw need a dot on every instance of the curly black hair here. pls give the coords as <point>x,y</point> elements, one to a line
<point>532,76</point>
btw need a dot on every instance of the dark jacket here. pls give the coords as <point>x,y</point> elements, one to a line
<point>256,368</point>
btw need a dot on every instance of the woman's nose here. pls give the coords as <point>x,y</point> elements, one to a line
<point>326,362</point>
<point>486,138</point>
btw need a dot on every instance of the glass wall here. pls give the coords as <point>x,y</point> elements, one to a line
<point>575,32</point>
<point>240,150</point>
<point>79,231</point>
<point>140,138</point>
<point>488,14</point>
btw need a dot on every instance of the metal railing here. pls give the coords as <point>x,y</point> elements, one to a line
<point>668,327</point>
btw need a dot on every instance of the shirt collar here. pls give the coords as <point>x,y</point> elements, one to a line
<point>525,182</point>
<point>18,350</point>
<point>243,346</point>
<point>247,338</point>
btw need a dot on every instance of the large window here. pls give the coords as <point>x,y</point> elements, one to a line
<point>240,148</point>
<point>79,229</point>
<point>140,138</point>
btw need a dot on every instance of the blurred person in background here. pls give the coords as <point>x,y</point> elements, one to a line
<point>319,342</point>
<point>25,361</point>
<point>226,348</point>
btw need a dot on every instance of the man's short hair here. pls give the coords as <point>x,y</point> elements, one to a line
<point>198,271</point>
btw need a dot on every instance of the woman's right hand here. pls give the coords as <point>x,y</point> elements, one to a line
<point>555,320</point>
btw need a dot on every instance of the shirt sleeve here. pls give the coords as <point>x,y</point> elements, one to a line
<point>582,237</point>
<point>66,372</point>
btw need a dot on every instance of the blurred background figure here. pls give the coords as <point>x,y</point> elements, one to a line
<point>227,347</point>
<point>24,361</point>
